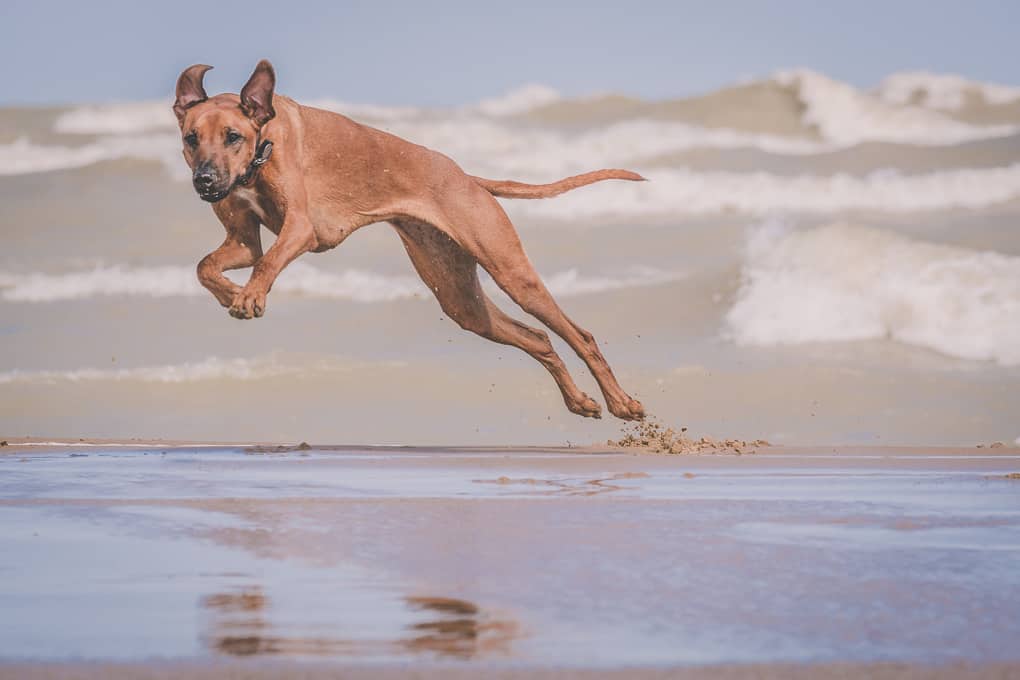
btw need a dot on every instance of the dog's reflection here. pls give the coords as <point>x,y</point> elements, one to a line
<point>445,627</point>
<point>457,628</point>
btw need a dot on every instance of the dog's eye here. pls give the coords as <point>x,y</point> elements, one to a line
<point>233,137</point>
<point>191,139</point>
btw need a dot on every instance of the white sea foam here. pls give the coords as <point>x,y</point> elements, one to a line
<point>485,139</point>
<point>519,100</point>
<point>298,279</point>
<point>488,148</point>
<point>946,92</point>
<point>482,144</point>
<point>491,147</point>
<point>125,118</point>
<point>571,282</point>
<point>22,157</point>
<point>132,118</point>
<point>846,116</point>
<point>842,282</point>
<point>176,281</point>
<point>212,368</point>
<point>683,192</point>
<point>367,112</point>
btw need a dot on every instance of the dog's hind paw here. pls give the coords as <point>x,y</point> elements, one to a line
<point>631,409</point>
<point>585,406</point>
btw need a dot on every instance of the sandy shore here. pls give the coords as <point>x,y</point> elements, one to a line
<point>28,444</point>
<point>269,560</point>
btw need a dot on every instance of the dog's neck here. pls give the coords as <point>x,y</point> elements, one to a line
<point>263,150</point>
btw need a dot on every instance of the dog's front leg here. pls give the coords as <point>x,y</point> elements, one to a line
<point>296,237</point>
<point>242,248</point>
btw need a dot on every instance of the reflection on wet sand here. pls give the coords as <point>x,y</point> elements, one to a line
<point>566,487</point>
<point>458,629</point>
<point>240,625</point>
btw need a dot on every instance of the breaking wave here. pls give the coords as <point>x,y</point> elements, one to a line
<point>212,368</point>
<point>127,118</point>
<point>946,92</point>
<point>495,135</point>
<point>843,282</point>
<point>845,116</point>
<point>519,100</point>
<point>298,279</point>
<point>685,192</point>
<point>23,157</point>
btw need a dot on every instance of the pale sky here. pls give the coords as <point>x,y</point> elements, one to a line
<point>456,52</point>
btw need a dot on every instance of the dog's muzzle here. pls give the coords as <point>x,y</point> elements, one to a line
<point>208,184</point>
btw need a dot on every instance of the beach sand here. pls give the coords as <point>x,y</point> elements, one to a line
<point>156,559</point>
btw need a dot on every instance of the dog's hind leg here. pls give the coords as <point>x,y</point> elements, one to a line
<point>452,276</point>
<point>493,241</point>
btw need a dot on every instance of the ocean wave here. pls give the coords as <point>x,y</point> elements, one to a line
<point>482,145</point>
<point>843,282</point>
<point>212,368</point>
<point>23,157</point>
<point>131,118</point>
<point>684,192</point>
<point>946,92</point>
<point>492,137</point>
<point>519,100</point>
<point>571,282</point>
<point>177,281</point>
<point>845,116</point>
<point>298,279</point>
<point>491,147</point>
<point>123,118</point>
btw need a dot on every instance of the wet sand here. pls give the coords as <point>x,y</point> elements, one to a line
<point>153,559</point>
<point>263,671</point>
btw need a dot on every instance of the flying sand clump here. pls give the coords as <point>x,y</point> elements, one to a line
<point>654,436</point>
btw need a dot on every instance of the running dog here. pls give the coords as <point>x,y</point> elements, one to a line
<point>313,177</point>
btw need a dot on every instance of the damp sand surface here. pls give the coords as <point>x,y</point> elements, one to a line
<point>144,559</point>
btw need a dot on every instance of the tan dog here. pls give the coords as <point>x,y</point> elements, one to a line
<point>313,177</point>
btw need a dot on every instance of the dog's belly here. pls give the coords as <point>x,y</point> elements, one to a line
<point>332,224</point>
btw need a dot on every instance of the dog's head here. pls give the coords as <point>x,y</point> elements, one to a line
<point>220,133</point>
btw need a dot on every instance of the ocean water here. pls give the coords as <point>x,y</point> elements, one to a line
<point>809,263</point>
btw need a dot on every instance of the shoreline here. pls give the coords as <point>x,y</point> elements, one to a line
<point>50,444</point>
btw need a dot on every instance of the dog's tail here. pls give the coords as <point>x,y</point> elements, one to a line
<point>510,189</point>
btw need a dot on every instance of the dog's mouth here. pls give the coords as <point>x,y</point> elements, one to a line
<point>213,196</point>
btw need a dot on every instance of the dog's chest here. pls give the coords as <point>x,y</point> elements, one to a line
<point>250,200</point>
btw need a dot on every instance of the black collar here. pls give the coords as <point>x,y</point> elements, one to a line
<point>263,151</point>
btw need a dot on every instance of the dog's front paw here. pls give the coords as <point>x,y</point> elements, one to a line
<point>226,296</point>
<point>248,304</point>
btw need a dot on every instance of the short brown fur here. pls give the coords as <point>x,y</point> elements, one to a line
<point>328,176</point>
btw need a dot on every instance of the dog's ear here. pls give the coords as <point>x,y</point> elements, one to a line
<point>257,94</point>
<point>189,89</point>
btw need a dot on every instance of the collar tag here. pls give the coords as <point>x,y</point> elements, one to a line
<point>265,150</point>
<point>262,154</point>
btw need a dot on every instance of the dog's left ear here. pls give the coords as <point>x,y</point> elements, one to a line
<point>190,90</point>
<point>257,94</point>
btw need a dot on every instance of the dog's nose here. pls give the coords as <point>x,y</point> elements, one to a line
<point>203,180</point>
